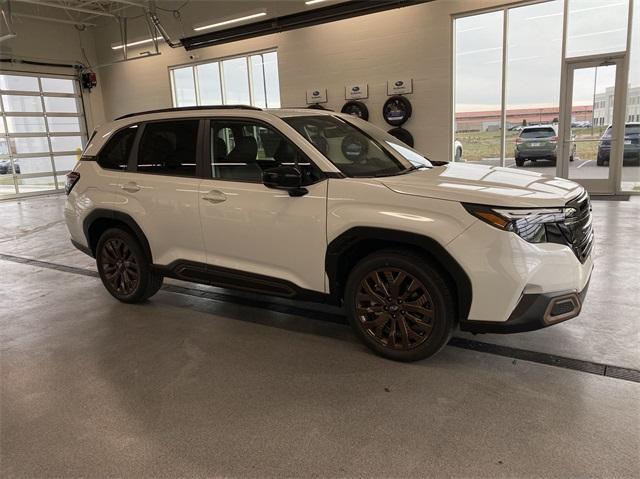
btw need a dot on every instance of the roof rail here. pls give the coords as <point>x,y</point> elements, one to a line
<point>191,108</point>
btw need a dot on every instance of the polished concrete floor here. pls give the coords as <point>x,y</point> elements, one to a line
<point>188,386</point>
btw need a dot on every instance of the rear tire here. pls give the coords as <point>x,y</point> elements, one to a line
<point>400,305</point>
<point>124,268</point>
<point>458,154</point>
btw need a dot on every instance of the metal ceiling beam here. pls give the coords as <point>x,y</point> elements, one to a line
<point>128,2</point>
<point>65,7</point>
<point>49,19</point>
<point>124,7</point>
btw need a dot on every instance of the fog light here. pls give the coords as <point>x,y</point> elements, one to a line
<point>562,308</point>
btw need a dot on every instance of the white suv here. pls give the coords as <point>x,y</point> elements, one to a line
<point>321,206</point>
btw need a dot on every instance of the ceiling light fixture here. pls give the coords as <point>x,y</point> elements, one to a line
<point>133,44</point>
<point>230,21</point>
<point>311,2</point>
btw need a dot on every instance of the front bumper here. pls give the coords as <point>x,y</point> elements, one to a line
<point>503,269</point>
<point>534,311</point>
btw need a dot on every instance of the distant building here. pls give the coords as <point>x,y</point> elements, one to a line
<point>490,120</point>
<point>603,106</point>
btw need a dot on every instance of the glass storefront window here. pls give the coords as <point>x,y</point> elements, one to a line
<point>532,56</point>
<point>209,83</point>
<point>246,80</point>
<point>533,77</point>
<point>184,87</point>
<point>596,26</point>
<point>631,161</point>
<point>478,86</point>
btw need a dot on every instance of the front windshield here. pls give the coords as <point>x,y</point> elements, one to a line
<point>357,152</point>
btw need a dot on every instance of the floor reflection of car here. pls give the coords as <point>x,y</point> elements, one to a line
<point>631,145</point>
<point>538,142</point>
<point>5,167</point>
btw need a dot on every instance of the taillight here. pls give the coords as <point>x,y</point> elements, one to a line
<point>72,179</point>
<point>553,139</point>
<point>518,140</point>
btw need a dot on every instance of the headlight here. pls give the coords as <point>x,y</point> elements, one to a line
<point>533,225</point>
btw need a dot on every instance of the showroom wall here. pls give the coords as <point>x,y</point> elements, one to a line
<point>44,41</point>
<point>408,42</point>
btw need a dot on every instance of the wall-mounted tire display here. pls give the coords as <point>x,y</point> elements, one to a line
<point>402,135</point>
<point>317,106</point>
<point>396,110</point>
<point>354,147</point>
<point>356,108</point>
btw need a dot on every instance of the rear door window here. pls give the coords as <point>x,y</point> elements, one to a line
<point>169,148</point>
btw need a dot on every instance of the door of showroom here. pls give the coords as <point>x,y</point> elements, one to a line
<point>591,148</point>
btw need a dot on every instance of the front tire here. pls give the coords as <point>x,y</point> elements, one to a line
<point>400,305</point>
<point>519,162</point>
<point>124,269</point>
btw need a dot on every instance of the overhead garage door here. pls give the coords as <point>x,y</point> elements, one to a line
<point>41,132</point>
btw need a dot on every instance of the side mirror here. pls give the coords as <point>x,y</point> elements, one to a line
<point>286,178</point>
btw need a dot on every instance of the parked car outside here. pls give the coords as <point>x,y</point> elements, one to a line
<point>323,206</point>
<point>539,142</point>
<point>457,144</point>
<point>5,167</point>
<point>631,145</point>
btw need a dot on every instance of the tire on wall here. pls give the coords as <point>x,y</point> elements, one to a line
<point>357,109</point>
<point>317,106</point>
<point>402,135</point>
<point>396,110</point>
<point>400,305</point>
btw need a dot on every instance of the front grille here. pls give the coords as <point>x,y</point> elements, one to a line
<point>578,227</point>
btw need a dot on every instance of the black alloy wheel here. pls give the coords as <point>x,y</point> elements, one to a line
<point>395,308</point>
<point>120,266</point>
<point>124,268</point>
<point>400,305</point>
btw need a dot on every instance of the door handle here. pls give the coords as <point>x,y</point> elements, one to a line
<point>131,187</point>
<point>214,196</point>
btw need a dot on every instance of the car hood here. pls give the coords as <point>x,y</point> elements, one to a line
<point>489,185</point>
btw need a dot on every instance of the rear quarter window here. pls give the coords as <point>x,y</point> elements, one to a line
<point>114,155</point>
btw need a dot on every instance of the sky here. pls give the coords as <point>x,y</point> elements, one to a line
<point>534,52</point>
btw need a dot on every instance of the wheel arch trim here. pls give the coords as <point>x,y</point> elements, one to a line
<point>427,245</point>
<point>100,214</point>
